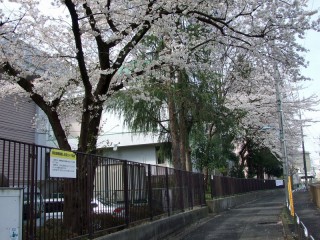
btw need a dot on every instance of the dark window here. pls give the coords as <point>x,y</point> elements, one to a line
<point>160,158</point>
<point>54,207</point>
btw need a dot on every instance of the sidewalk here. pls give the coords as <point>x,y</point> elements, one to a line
<point>307,212</point>
<point>258,220</point>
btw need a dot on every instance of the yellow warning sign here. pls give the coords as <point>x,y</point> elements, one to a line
<point>63,164</point>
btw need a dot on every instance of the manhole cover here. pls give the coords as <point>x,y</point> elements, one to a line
<point>267,223</point>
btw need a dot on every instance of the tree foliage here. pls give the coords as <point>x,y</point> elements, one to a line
<point>261,161</point>
<point>69,57</point>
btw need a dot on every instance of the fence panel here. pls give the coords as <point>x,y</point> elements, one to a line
<point>107,194</point>
<point>226,186</point>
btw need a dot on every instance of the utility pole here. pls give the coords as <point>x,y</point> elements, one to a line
<point>282,135</point>
<point>304,156</point>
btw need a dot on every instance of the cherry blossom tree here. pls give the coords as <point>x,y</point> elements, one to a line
<point>68,57</point>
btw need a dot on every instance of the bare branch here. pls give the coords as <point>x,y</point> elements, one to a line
<point>80,55</point>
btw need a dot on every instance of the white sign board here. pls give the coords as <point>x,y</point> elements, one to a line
<point>63,164</point>
<point>11,202</point>
<point>279,183</point>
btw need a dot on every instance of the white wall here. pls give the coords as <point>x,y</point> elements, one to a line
<point>140,153</point>
<point>115,132</point>
<point>130,146</point>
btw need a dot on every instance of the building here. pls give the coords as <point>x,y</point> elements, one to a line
<point>115,141</point>
<point>298,164</point>
<point>16,119</point>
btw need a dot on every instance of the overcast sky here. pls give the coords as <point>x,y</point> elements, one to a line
<point>312,42</point>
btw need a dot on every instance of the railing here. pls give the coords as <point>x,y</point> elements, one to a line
<point>301,231</point>
<point>123,192</point>
<point>226,186</point>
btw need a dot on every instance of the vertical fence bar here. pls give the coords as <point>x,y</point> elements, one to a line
<point>9,160</point>
<point>126,192</point>
<point>203,190</point>
<point>181,191</point>
<point>211,187</point>
<point>31,192</point>
<point>167,191</point>
<point>14,165</point>
<point>190,188</point>
<point>90,165</point>
<point>202,195</point>
<point>150,193</point>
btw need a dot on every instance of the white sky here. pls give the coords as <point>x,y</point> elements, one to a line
<point>312,132</point>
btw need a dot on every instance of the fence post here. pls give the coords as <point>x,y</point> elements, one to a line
<point>126,191</point>
<point>181,191</point>
<point>150,192</point>
<point>31,189</point>
<point>190,189</point>
<point>167,191</point>
<point>211,187</point>
<point>202,190</point>
<point>90,165</point>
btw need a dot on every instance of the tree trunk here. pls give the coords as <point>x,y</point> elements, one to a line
<point>78,193</point>
<point>188,160</point>
<point>184,126</point>
<point>206,177</point>
<point>183,137</point>
<point>78,196</point>
<point>175,146</point>
<point>260,172</point>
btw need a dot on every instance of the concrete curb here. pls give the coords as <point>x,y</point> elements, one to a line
<point>160,228</point>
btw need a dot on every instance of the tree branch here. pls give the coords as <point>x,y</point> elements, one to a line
<point>48,108</point>
<point>80,55</point>
<point>109,20</point>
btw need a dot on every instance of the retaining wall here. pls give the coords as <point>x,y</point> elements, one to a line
<point>315,193</point>
<point>225,203</point>
<point>160,228</point>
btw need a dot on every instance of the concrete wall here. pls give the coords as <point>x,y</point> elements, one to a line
<point>222,204</point>
<point>160,228</point>
<point>139,153</point>
<point>314,190</point>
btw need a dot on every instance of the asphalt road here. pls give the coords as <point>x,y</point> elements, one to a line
<point>259,219</point>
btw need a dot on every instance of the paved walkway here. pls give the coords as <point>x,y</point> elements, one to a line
<point>308,213</point>
<point>259,220</point>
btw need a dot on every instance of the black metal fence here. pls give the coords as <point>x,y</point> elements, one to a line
<point>225,186</point>
<point>120,193</point>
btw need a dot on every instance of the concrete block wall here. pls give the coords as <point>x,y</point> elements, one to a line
<point>225,203</point>
<point>160,228</point>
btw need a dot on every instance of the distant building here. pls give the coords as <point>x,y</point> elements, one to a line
<point>316,168</point>
<point>298,163</point>
<point>117,141</point>
<point>16,119</point>
<point>17,122</point>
